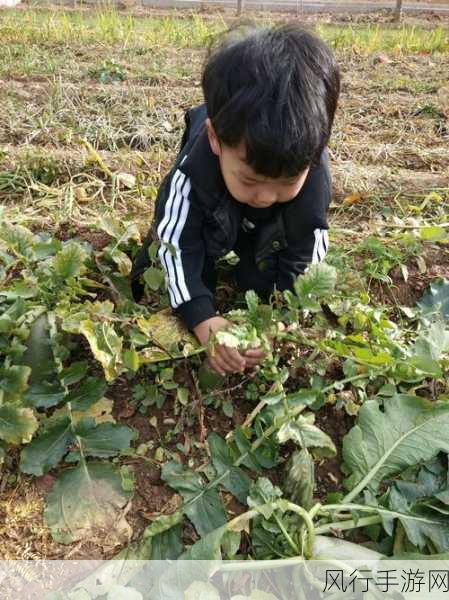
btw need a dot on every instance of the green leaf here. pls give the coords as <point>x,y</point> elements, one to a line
<point>17,424</point>
<point>236,480</point>
<point>167,545</point>
<point>154,278</point>
<point>252,302</point>
<point>207,548</point>
<point>433,234</point>
<point>21,289</point>
<point>86,502</point>
<point>259,315</point>
<point>264,457</point>
<point>171,338</point>
<point>39,355</point>
<point>123,286</point>
<point>69,261</point>
<point>103,440</point>
<point>420,523</point>
<point>429,348</point>
<point>208,379</point>
<point>314,285</point>
<point>262,492</point>
<point>44,394</point>
<point>121,231</point>
<point>162,523</point>
<point>123,262</point>
<point>131,359</point>
<point>16,238</point>
<point>13,382</point>
<point>304,433</point>
<point>87,394</point>
<point>202,505</point>
<point>105,345</point>
<point>299,480</point>
<point>182,395</point>
<point>408,431</point>
<point>46,248</point>
<point>74,373</point>
<point>153,249</point>
<point>47,450</point>
<point>429,481</point>
<point>128,479</point>
<point>9,317</point>
<point>230,544</point>
<point>436,299</point>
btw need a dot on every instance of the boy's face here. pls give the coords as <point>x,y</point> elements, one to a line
<point>247,186</point>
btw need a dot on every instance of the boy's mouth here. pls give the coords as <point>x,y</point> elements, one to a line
<point>259,205</point>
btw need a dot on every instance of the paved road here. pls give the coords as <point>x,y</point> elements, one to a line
<point>306,6</point>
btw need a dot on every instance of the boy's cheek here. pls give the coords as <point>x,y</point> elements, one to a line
<point>238,191</point>
<point>242,197</point>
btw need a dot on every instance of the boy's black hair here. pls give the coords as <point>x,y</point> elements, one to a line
<point>277,90</point>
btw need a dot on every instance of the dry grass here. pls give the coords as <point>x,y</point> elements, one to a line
<point>391,132</point>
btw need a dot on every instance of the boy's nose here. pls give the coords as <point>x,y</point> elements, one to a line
<point>266,198</point>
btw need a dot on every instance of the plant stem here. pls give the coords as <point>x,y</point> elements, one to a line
<point>398,539</point>
<point>283,505</point>
<point>285,533</point>
<point>393,514</point>
<point>351,524</point>
<point>299,510</point>
<point>237,565</point>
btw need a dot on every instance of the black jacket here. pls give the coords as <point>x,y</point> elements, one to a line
<point>197,217</point>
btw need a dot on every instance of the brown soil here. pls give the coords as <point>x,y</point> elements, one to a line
<point>329,476</point>
<point>97,238</point>
<point>407,293</point>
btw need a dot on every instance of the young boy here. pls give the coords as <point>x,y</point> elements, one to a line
<point>252,176</point>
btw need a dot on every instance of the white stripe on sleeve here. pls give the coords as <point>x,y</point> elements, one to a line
<point>320,246</point>
<point>169,232</point>
<point>325,240</point>
<point>317,234</point>
<point>164,231</point>
<point>181,282</point>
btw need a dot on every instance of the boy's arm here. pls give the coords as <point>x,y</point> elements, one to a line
<point>308,215</point>
<point>179,224</point>
<point>179,228</point>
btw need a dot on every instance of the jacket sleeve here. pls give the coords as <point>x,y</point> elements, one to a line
<point>179,224</point>
<point>306,219</point>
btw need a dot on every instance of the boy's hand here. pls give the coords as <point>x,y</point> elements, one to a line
<point>253,357</point>
<point>223,359</point>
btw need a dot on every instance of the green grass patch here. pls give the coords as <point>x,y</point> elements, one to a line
<point>375,38</point>
<point>106,26</point>
<point>111,27</point>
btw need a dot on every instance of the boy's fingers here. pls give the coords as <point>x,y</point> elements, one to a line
<point>255,354</point>
<point>222,361</point>
<point>217,366</point>
<point>232,358</point>
<point>236,358</point>
<point>252,362</point>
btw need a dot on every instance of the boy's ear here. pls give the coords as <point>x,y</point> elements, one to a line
<point>213,139</point>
